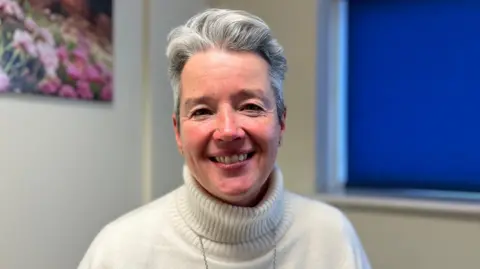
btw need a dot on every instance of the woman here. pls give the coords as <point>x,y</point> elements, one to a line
<point>232,211</point>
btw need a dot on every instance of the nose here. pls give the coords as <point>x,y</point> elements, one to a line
<point>228,128</point>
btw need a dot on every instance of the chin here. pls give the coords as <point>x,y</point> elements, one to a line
<point>235,186</point>
<point>237,189</point>
<point>241,196</point>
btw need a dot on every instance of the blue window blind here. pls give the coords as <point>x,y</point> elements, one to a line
<point>414,94</point>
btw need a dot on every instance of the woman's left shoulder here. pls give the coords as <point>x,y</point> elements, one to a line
<point>324,226</point>
<point>318,216</point>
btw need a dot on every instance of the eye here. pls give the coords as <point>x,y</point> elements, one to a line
<point>201,112</point>
<point>252,107</point>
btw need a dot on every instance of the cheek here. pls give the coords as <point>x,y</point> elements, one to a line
<point>267,135</point>
<point>194,139</point>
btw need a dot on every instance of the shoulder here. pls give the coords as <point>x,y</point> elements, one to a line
<point>140,219</point>
<point>316,212</point>
<point>325,227</point>
<point>131,235</point>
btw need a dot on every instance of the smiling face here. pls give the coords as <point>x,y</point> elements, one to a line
<point>228,131</point>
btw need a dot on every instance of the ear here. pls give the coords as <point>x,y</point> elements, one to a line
<point>176,129</point>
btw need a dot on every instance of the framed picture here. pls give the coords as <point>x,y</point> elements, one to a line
<point>58,48</point>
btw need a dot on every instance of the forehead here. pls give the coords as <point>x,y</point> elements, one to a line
<point>220,72</point>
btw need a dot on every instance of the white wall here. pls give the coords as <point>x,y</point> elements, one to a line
<point>68,168</point>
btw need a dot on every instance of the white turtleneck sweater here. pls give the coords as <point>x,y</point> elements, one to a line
<point>169,232</point>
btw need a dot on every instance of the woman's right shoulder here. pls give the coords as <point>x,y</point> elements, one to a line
<point>151,213</point>
<point>131,232</point>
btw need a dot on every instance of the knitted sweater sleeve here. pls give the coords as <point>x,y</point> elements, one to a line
<point>93,258</point>
<point>355,257</point>
<point>117,246</point>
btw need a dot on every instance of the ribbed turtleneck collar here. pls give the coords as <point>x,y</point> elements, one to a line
<point>228,229</point>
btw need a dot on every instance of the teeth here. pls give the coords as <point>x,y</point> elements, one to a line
<point>231,159</point>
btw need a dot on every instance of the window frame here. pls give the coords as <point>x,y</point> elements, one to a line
<point>331,134</point>
<point>332,116</point>
<point>331,106</point>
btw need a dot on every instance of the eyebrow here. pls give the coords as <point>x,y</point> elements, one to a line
<point>242,94</point>
<point>252,93</point>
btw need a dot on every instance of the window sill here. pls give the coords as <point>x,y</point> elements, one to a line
<point>408,201</point>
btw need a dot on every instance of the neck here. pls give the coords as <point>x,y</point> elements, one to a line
<point>228,228</point>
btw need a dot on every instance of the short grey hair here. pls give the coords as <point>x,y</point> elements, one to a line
<point>233,30</point>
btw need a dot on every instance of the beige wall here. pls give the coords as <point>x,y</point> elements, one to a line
<point>294,26</point>
<point>394,238</point>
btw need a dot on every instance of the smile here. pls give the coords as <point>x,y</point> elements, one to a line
<point>232,158</point>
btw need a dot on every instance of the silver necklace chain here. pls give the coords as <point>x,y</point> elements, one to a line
<point>274,250</point>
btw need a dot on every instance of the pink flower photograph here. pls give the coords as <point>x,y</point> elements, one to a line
<point>58,48</point>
